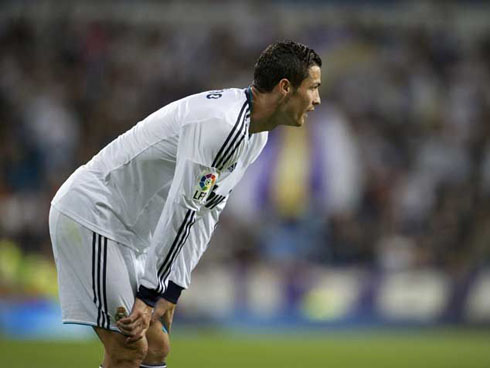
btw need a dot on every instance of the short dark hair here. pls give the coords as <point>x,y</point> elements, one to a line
<point>285,59</point>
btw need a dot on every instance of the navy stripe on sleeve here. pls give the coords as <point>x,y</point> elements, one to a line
<point>168,259</point>
<point>167,270</point>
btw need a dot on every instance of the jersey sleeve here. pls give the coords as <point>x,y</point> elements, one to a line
<point>186,223</point>
<point>188,258</point>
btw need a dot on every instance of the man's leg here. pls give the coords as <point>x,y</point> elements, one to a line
<point>158,345</point>
<point>96,277</point>
<point>151,351</point>
<point>158,334</point>
<point>118,353</point>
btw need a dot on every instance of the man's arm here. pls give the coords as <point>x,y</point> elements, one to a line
<point>183,230</point>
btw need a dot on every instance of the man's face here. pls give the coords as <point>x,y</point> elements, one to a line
<point>304,98</point>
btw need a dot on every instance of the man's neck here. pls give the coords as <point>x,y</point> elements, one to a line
<point>264,111</point>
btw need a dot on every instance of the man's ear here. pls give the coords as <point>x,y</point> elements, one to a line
<point>284,86</point>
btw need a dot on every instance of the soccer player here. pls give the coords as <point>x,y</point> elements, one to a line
<point>128,227</point>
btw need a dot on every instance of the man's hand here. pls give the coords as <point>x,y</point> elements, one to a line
<point>164,313</point>
<point>136,324</point>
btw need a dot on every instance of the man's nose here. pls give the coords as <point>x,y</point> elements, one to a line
<point>317,100</point>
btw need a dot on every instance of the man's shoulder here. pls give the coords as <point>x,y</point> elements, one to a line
<point>220,105</point>
<point>220,94</point>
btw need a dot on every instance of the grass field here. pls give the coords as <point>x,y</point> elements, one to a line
<point>442,348</point>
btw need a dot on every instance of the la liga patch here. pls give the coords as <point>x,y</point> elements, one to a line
<point>204,186</point>
<point>207,181</point>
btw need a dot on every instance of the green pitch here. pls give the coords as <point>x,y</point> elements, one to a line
<point>445,349</point>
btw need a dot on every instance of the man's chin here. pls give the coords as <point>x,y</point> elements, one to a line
<point>301,121</point>
<point>296,123</point>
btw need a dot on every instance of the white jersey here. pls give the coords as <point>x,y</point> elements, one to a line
<point>161,186</point>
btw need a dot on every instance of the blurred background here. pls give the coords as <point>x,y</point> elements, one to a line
<point>376,213</point>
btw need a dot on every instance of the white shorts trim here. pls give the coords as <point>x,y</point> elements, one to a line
<point>90,324</point>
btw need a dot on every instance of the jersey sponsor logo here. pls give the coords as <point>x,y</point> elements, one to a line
<point>214,200</point>
<point>206,183</point>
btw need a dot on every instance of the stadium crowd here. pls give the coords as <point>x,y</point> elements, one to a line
<point>402,137</point>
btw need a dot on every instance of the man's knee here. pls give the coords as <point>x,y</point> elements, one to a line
<point>122,354</point>
<point>158,349</point>
<point>133,353</point>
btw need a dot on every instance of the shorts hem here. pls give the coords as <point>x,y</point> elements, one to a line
<point>90,324</point>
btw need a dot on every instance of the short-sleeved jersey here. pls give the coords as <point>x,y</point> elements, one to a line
<point>161,186</point>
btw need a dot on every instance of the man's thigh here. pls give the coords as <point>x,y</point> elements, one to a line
<point>96,275</point>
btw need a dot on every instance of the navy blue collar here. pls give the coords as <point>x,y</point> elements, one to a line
<point>248,93</point>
